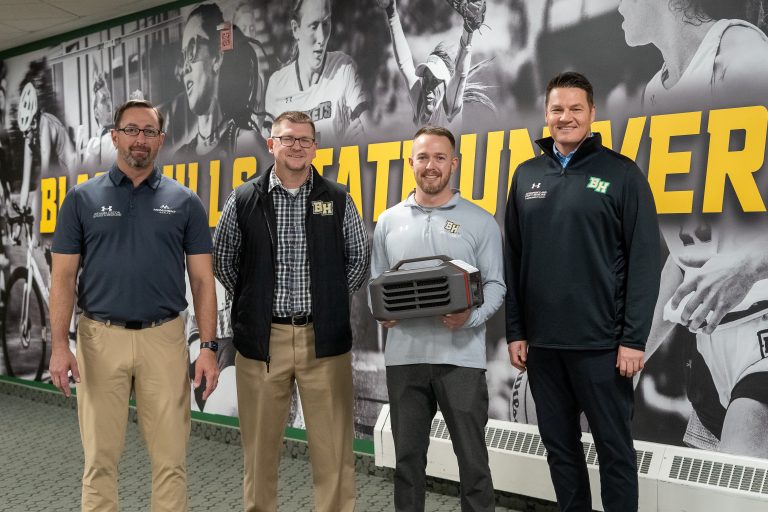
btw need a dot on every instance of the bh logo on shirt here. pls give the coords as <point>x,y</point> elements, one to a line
<point>451,227</point>
<point>598,185</point>
<point>322,207</point>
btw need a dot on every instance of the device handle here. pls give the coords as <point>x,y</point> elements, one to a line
<point>441,257</point>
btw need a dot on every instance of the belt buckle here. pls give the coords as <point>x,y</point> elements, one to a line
<point>299,320</point>
<point>134,325</point>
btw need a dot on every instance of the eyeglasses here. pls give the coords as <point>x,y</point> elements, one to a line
<point>191,52</point>
<point>287,140</point>
<point>132,131</point>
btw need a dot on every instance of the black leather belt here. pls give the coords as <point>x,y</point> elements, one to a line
<point>130,324</point>
<point>295,320</point>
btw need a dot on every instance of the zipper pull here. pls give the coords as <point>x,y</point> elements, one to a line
<point>267,361</point>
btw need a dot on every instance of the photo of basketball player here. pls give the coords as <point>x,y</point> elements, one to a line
<point>715,281</point>
<point>325,85</point>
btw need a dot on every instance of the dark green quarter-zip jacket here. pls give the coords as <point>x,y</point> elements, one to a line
<point>582,259</point>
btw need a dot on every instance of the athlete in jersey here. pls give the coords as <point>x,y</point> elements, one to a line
<point>324,85</point>
<point>333,100</point>
<point>716,278</point>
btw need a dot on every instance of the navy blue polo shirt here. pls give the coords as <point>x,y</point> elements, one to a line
<point>132,243</point>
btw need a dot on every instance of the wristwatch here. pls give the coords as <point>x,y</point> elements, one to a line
<point>214,346</point>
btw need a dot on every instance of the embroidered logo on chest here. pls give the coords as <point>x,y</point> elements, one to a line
<point>107,211</point>
<point>164,209</point>
<point>598,185</point>
<point>451,227</point>
<point>322,207</point>
<point>536,192</point>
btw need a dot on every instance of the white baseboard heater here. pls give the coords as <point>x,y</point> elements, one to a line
<point>672,479</point>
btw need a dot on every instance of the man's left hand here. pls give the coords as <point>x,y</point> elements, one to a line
<point>456,320</point>
<point>629,361</point>
<point>206,366</point>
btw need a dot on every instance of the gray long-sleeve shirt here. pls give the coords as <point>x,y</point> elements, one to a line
<point>458,229</point>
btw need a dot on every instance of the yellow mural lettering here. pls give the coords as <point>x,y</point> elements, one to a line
<point>409,180</point>
<point>349,174</point>
<point>664,162</point>
<point>323,158</point>
<point>604,129</point>
<point>740,165</point>
<point>242,170</point>
<point>633,134</point>
<point>520,150</point>
<point>48,206</point>
<point>382,153</point>
<point>214,172</point>
<point>468,149</point>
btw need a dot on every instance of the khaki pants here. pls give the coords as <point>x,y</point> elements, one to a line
<point>155,361</point>
<point>264,397</point>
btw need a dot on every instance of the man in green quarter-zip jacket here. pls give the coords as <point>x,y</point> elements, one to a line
<point>582,273</point>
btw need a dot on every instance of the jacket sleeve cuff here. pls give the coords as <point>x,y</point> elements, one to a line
<point>633,344</point>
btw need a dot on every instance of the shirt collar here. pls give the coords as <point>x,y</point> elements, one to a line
<point>566,159</point>
<point>274,181</point>
<point>451,203</point>
<point>117,176</point>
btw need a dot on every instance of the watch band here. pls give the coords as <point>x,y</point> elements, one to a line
<point>214,346</point>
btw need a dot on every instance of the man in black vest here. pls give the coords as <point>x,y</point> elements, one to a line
<point>291,247</point>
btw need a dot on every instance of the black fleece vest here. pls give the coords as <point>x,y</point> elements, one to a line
<point>254,291</point>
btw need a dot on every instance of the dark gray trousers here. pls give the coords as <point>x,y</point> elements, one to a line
<point>415,391</point>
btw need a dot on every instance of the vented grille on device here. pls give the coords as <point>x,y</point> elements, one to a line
<point>448,287</point>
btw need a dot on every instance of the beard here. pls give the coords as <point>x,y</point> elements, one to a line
<point>139,162</point>
<point>433,187</point>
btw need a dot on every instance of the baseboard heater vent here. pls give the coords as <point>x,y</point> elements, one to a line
<point>671,478</point>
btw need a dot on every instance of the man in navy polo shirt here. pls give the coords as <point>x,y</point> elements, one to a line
<point>128,232</point>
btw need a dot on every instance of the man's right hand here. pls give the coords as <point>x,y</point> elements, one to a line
<point>518,353</point>
<point>63,360</point>
<point>388,324</point>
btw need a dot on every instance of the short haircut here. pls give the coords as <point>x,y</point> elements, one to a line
<point>211,17</point>
<point>137,104</point>
<point>571,80</point>
<point>697,12</point>
<point>295,117</point>
<point>439,131</point>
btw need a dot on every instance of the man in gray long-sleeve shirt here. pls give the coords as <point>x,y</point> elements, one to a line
<point>441,359</point>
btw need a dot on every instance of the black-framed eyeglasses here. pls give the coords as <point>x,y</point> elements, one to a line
<point>287,140</point>
<point>191,52</point>
<point>132,131</point>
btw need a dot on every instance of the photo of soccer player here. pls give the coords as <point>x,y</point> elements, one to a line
<point>325,85</point>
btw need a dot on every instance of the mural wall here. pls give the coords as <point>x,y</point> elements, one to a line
<point>689,107</point>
